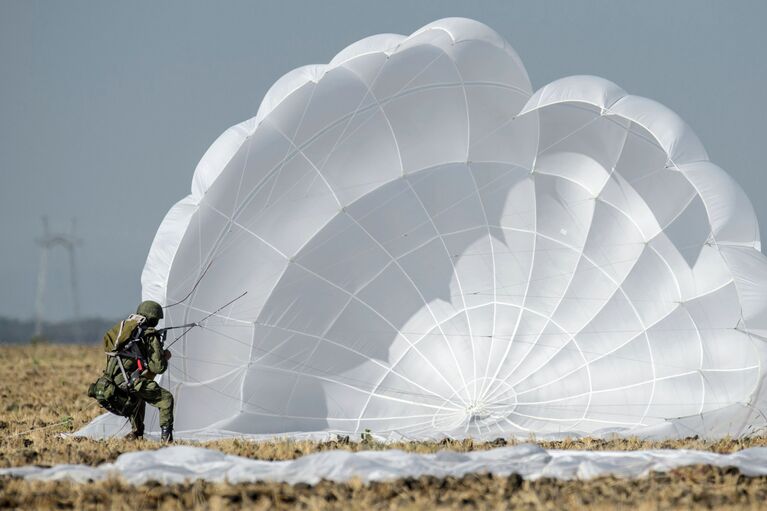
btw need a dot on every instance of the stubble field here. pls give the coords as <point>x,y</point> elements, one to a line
<point>42,390</point>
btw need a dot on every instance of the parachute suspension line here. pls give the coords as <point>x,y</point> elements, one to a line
<point>199,323</point>
<point>197,283</point>
<point>185,298</point>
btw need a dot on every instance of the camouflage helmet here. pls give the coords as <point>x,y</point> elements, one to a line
<point>150,310</point>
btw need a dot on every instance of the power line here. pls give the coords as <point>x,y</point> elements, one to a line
<point>69,241</point>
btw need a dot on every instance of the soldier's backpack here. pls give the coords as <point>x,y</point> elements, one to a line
<point>112,398</point>
<point>119,399</point>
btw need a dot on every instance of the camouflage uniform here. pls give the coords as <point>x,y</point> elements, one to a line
<point>151,348</point>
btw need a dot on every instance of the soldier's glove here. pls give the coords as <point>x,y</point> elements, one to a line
<point>166,354</point>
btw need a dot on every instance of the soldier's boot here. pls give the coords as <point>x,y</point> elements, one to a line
<point>166,436</point>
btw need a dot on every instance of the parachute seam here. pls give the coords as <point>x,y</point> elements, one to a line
<point>614,350</point>
<point>491,392</point>
<point>580,254</point>
<point>639,384</point>
<point>372,309</point>
<point>351,296</point>
<point>352,350</point>
<point>344,118</point>
<point>324,163</point>
<point>447,252</point>
<point>527,284</point>
<point>471,174</point>
<point>572,276</point>
<point>337,382</point>
<point>402,169</point>
<point>489,235</point>
<point>399,257</point>
<point>305,363</point>
<point>311,163</point>
<point>284,359</point>
<point>396,143</point>
<point>395,261</point>
<point>572,335</point>
<point>618,288</point>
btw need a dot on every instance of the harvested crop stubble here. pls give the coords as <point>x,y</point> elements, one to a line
<point>43,395</point>
<point>691,487</point>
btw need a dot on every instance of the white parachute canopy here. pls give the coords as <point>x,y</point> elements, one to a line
<point>429,249</point>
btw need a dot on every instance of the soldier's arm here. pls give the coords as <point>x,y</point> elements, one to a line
<point>157,362</point>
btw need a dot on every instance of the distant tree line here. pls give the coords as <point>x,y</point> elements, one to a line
<point>84,331</point>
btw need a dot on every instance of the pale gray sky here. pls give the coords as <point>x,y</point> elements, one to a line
<point>106,107</point>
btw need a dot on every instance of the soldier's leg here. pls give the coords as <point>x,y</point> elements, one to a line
<point>137,420</point>
<point>160,398</point>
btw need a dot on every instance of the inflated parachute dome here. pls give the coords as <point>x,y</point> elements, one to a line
<point>429,248</point>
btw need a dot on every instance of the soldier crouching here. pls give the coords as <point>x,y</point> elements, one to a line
<point>135,355</point>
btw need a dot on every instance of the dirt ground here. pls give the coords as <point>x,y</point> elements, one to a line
<point>42,390</point>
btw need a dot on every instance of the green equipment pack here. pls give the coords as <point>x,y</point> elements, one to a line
<point>120,399</point>
<point>113,398</point>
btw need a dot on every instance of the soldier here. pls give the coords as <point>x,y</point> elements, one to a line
<point>135,354</point>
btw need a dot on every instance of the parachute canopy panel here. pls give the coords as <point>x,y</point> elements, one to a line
<point>430,248</point>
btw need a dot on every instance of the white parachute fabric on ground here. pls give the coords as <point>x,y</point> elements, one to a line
<point>183,463</point>
<point>431,249</point>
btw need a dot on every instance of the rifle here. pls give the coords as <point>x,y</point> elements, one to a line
<point>163,332</point>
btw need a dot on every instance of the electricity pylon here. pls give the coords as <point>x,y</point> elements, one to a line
<point>50,240</point>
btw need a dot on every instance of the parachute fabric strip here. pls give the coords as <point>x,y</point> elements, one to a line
<point>430,248</point>
<point>173,465</point>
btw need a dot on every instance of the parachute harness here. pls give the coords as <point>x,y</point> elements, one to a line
<point>129,350</point>
<point>121,399</point>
